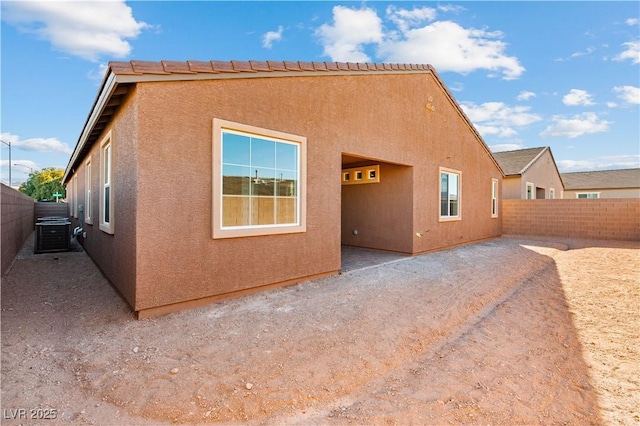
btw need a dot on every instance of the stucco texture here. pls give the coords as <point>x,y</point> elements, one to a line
<point>163,156</point>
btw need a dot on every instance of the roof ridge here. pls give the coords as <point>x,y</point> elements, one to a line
<point>137,67</point>
<point>604,170</point>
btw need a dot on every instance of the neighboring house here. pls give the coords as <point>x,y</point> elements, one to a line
<point>624,183</point>
<point>530,174</point>
<point>195,181</point>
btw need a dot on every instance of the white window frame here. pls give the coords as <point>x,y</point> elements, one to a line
<point>106,182</point>
<point>597,195</point>
<point>220,231</point>
<point>494,198</point>
<point>69,190</point>
<point>530,190</point>
<point>552,193</point>
<point>448,218</point>
<point>88,201</point>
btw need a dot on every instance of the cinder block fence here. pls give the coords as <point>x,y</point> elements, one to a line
<point>17,223</point>
<point>605,219</point>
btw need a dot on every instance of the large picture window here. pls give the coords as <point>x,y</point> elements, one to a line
<point>259,180</point>
<point>106,185</point>
<point>449,194</point>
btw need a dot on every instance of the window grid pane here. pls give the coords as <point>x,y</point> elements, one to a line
<point>259,181</point>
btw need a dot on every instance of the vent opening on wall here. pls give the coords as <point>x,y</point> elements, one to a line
<point>360,175</point>
<point>53,236</point>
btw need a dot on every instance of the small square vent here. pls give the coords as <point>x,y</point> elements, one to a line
<point>52,236</point>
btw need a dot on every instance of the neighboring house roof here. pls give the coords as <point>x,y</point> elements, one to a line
<point>517,162</point>
<point>121,76</point>
<point>602,179</point>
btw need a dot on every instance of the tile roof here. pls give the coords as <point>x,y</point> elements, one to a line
<point>518,161</point>
<point>120,76</point>
<point>602,179</point>
<point>222,67</point>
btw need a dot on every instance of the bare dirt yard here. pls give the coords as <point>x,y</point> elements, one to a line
<point>507,331</point>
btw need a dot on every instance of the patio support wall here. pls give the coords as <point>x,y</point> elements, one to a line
<point>17,223</point>
<point>605,219</point>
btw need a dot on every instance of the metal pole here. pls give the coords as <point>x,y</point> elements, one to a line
<point>9,145</point>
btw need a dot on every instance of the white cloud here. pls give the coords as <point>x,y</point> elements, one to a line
<point>601,163</point>
<point>498,119</point>
<point>269,37</point>
<point>352,29</point>
<point>631,22</point>
<point>98,74</point>
<point>450,47</point>
<point>629,94</point>
<point>575,126</point>
<point>37,144</point>
<point>525,95</point>
<point>450,8</point>
<point>444,44</point>
<point>88,29</point>
<point>456,86</point>
<point>406,19</point>
<point>577,97</point>
<point>506,147</point>
<point>632,52</point>
<point>24,167</point>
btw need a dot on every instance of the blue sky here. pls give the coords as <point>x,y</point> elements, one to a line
<point>528,74</point>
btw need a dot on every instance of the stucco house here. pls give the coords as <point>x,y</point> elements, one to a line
<point>530,174</point>
<point>194,181</point>
<point>622,183</point>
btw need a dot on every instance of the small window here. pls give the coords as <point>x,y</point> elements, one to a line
<point>494,197</point>
<point>588,195</point>
<point>106,185</point>
<point>449,194</point>
<point>346,176</point>
<point>259,185</point>
<point>531,194</point>
<point>359,175</point>
<point>88,208</point>
<point>372,174</point>
<point>552,193</point>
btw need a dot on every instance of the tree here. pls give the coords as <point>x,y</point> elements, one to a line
<point>43,184</point>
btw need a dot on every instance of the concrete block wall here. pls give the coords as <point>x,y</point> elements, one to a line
<point>49,209</point>
<point>605,219</point>
<point>17,223</point>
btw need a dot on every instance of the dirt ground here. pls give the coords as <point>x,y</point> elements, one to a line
<point>507,331</point>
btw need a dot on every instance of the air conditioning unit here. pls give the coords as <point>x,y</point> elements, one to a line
<point>53,236</point>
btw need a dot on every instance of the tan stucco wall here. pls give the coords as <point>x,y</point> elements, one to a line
<point>542,173</point>
<point>381,213</point>
<point>381,117</point>
<point>163,149</point>
<point>115,254</point>
<point>606,193</point>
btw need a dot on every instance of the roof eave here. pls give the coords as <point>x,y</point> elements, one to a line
<point>108,86</point>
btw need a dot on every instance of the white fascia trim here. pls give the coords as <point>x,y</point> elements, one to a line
<point>96,112</point>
